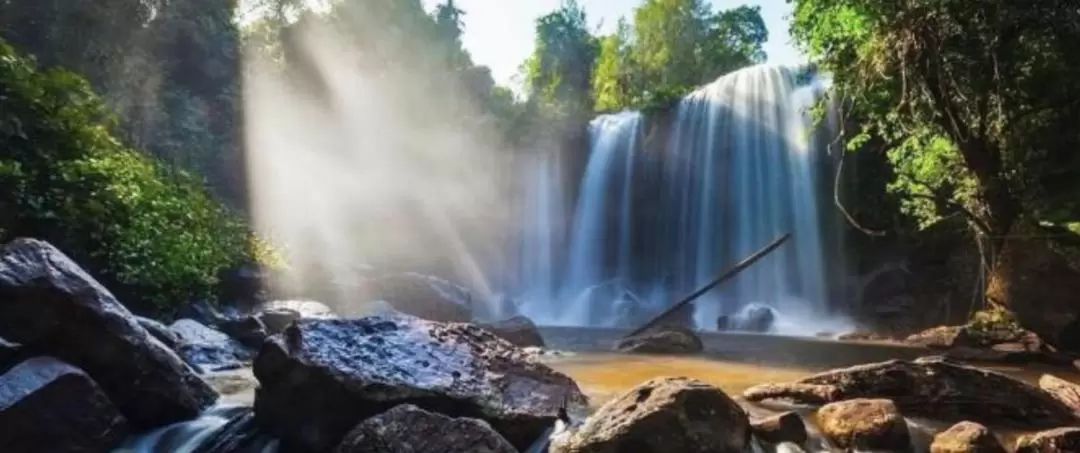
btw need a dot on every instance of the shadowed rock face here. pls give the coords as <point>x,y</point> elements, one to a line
<point>52,307</point>
<point>50,406</point>
<point>1059,440</point>
<point>659,416</point>
<point>519,330</point>
<point>319,378</point>
<point>409,429</point>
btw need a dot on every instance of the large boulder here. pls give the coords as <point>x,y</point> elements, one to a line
<point>248,330</point>
<point>1064,391</point>
<point>312,309</point>
<point>966,437</point>
<point>409,429</point>
<point>518,330</point>
<point>1057,440</point>
<point>50,406</point>
<point>673,414</point>
<point>423,296</point>
<point>52,307</point>
<point>320,378</point>
<point>664,339</point>
<point>865,425</point>
<point>207,348</point>
<point>931,387</point>
<point>941,337</point>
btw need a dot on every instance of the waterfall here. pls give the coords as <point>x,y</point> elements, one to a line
<point>739,162</point>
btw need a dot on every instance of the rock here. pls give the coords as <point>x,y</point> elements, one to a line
<point>277,319</point>
<point>249,330</point>
<point>423,296</point>
<point>1058,440</point>
<point>50,406</point>
<point>306,308</point>
<point>665,339</point>
<point>723,322</point>
<point>966,437</point>
<point>755,318</point>
<point>409,429</point>
<point>941,337</point>
<point>207,348</point>
<point>159,331</point>
<point>785,427</point>
<point>202,311</point>
<point>52,307</point>
<point>243,284</point>
<point>320,378</point>
<point>1066,392</point>
<point>10,354</point>
<point>862,335</point>
<point>518,330</point>
<point>931,387</point>
<point>864,424</point>
<point>674,414</point>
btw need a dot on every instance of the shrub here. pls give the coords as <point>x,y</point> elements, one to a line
<point>154,236</point>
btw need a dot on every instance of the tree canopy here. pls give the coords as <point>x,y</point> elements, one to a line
<point>973,101</point>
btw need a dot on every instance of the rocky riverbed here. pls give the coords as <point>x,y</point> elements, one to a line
<point>79,373</point>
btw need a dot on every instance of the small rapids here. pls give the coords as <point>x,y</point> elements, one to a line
<point>222,429</point>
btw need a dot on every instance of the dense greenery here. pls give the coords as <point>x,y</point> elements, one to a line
<point>976,103</point>
<point>152,234</point>
<point>170,70</point>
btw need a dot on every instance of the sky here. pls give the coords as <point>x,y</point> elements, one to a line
<point>499,33</point>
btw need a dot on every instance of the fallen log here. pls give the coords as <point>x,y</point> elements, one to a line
<point>931,387</point>
<point>723,277</point>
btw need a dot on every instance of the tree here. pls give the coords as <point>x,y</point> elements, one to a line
<point>972,98</point>
<point>559,73</point>
<point>673,47</point>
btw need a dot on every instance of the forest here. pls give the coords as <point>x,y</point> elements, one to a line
<point>122,121</point>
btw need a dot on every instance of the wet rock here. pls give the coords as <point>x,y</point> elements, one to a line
<point>785,427</point>
<point>755,318</point>
<point>423,296</point>
<point>1064,391</point>
<point>966,437</point>
<point>159,331</point>
<point>50,406</point>
<point>662,415</point>
<point>277,319</point>
<point>665,339</point>
<point>864,424</point>
<point>248,330</point>
<point>941,337</point>
<point>1058,440</point>
<point>931,387</point>
<point>53,307</point>
<point>306,308</point>
<point>409,429</point>
<point>320,378</point>
<point>207,348</point>
<point>518,330</point>
<point>202,311</point>
<point>862,335</point>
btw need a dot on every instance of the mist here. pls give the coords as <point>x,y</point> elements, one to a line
<point>354,164</point>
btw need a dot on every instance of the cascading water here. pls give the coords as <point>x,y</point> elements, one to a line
<point>736,165</point>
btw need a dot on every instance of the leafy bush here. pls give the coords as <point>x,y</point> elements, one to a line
<point>155,237</point>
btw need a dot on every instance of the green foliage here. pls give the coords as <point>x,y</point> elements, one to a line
<point>153,236</point>
<point>169,70</point>
<point>974,100</point>
<point>673,47</point>
<point>559,72</point>
<point>993,325</point>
